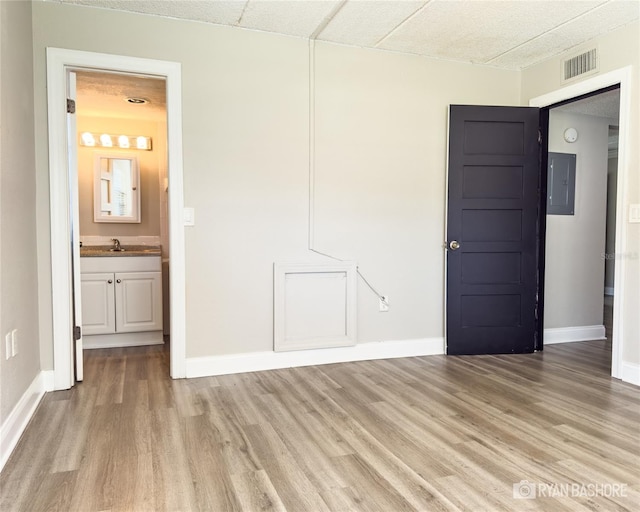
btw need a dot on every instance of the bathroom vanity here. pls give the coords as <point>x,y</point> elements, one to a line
<point>121,296</point>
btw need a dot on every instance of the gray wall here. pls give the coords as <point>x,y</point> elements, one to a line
<point>612,188</point>
<point>381,147</point>
<point>380,174</point>
<point>18,270</point>
<point>574,275</point>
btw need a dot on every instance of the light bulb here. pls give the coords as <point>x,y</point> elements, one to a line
<point>105,140</point>
<point>141,143</point>
<point>123,141</point>
<point>87,139</point>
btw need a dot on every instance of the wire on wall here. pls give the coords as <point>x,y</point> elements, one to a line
<point>312,142</point>
<point>312,152</point>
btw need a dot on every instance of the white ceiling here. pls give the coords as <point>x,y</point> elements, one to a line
<point>512,34</point>
<point>105,95</point>
<point>606,104</point>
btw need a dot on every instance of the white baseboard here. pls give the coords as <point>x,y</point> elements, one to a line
<point>259,361</point>
<point>571,334</point>
<point>631,373</point>
<point>17,420</point>
<point>608,290</point>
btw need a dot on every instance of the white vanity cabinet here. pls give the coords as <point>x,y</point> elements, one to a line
<point>121,301</point>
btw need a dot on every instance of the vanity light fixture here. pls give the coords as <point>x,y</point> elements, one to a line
<point>106,140</point>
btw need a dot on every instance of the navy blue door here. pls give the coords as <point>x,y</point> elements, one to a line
<point>493,180</point>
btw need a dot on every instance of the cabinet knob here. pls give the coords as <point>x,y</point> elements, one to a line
<point>110,281</point>
<point>118,281</point>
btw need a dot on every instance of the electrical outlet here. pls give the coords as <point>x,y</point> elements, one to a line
<point>14,342</point>
<point>384,303</point>
<point>8,346</point>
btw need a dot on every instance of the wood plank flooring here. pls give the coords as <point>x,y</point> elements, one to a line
<point>427,433</point>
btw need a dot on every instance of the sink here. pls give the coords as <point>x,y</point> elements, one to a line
<point>129,250</point>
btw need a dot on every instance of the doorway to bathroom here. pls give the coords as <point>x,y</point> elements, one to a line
<point>63,67</point>
<point>122,202</point>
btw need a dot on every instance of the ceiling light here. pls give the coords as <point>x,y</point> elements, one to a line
<point>136,101</point>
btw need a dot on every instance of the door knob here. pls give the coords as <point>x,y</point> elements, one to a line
<point>110,281</point>
<point>454,245</point>
<point>118,281</point>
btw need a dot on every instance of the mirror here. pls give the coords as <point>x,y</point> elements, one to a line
<point>116,192</point>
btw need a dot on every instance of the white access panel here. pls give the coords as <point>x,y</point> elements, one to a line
<point>314,306</point>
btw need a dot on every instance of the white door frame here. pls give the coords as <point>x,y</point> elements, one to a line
<point>59,61</point>
<point>623,78</point>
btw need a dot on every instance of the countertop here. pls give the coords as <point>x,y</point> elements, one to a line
<point>129,250</point>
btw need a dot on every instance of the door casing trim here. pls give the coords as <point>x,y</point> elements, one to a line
<point>623,78</point>
<point>58,62</point>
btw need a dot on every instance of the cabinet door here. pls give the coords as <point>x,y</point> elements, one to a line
<point>138,301</point>
<point>98,308</point>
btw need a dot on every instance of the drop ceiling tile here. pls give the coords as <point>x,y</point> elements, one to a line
<point>290,17</point>
<point>480,30</point>
<point>365,22</point>
<point>225,12</point>
<point>602,20</point>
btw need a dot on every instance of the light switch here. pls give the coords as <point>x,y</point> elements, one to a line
<point>634,213</point>
<point>189,217</point>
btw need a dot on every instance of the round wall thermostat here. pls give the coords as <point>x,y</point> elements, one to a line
<point>571,135</point>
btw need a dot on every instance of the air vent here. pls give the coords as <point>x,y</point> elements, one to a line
<point>580,64</point>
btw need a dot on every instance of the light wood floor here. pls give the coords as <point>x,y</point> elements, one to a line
<point>425,433</point>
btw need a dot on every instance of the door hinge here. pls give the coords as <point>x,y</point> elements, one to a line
<point>71,106</point>
<point>539,136</point>
<point>77,333</point>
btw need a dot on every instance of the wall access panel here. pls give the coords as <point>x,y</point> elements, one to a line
<point>314,306</point>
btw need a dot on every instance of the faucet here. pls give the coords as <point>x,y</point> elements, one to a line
<point>116,244</point>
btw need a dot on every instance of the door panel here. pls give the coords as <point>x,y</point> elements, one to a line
<point>98,316</point>
<point>138,301</point>
<point>491,182</point>
<point>493,215</point>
